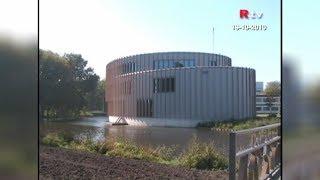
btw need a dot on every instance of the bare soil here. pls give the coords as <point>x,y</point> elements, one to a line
<point>58,163</point>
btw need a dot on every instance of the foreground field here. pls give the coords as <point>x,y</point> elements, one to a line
<point>59,163</point>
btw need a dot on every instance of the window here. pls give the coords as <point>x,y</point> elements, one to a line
<point>193,63</point>
<point>172,84</point>
<point>155,65</point>
<point>258,108</point>
<point>171,64</point>
<point>144,108</point>
<point>163,85</point>
<point>266,108</point>
<point>166,64</point>
<point>155,85</point>
<point>163,64</point>
<point>259,99</point>
<point>274,108</point>
<point>212,63</point>
<point>128,67</point>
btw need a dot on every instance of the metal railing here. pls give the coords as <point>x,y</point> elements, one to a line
<point>258,159</point>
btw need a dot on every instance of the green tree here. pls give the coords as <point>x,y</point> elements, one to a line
<point>64,83</point>
<point>96,98</point>
<point>273,89</point>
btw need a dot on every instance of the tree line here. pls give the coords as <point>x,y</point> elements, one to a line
<point>67,87</point>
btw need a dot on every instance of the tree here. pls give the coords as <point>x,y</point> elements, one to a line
<point>64,83</point>
<point>97,97</point>
<point>273,89</point>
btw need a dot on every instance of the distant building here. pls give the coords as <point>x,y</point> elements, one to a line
<point>263,106</point>
<point>178,89</point>
<point>259,87</point>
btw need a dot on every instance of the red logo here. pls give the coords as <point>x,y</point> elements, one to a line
<point>246,14</point>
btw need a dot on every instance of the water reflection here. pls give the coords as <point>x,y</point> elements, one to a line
<point>100,128</point>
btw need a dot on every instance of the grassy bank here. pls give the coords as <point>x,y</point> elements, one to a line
<point>241,124</point>
<point>197,155</point>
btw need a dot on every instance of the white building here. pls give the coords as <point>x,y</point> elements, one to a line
<point>265,106</point>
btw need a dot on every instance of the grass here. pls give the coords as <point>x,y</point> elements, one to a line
<point>202,156</point>
<point>241,124</point>
<point>197,155</point>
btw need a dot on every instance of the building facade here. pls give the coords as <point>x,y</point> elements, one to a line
<point>268,105</point>
<point>259,88</point>
<point>178,89</point>
<point>264,104</point>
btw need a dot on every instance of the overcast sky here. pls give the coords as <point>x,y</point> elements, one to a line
<point>102,30</point>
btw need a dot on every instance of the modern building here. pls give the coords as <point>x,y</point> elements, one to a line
<point>267,105</point>
<point>259,87</point>
<point>178,89</point>
<point>264,104</point>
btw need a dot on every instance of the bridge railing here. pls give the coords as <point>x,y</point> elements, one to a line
<point>255,153</point>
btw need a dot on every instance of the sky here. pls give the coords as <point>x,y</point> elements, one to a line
<point>103,30</point>
<point>301,39</point>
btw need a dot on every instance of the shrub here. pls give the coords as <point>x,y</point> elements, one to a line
<point>57,140</point>
<point>128,149</point>
<point>197,155</point>
<point>241,124</point>
<point>202,156</point>
<point>272,115</point>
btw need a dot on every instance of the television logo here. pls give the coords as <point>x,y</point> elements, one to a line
<point>246,14</point>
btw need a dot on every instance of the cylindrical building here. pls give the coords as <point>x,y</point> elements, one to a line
<point>178,89</point>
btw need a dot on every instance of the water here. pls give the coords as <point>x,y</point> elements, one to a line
<point>99,128</point>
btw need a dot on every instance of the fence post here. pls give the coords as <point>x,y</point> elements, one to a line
<point>232,156</point>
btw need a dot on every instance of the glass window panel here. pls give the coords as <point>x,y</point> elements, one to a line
<point>266,108</point>
<point>129,68</point>
<point>132,67</point>
<point>167,85</point>
<point>161,64</point>
<point>179,64</point>
<point>171,63</point>
<point>165,64</point>
<point>187,63</point>
<point>184,63</point>
<point>162,85</point>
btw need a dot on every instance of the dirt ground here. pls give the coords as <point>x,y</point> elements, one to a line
<point>58,163</point>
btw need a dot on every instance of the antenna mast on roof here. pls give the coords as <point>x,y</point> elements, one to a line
<point>212,39</point>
